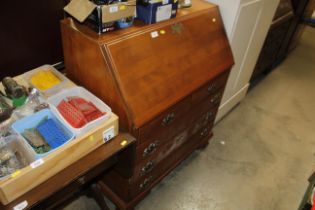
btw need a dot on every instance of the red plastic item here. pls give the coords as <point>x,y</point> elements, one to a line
<point>94,116</point>
<point>73,116</point>
<point>82,105</point>
<point>313,207</point>
<point>77,111</point>
<point>88,109</point>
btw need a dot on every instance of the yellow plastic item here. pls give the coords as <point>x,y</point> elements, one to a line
<point>123,143</point>
<point>15,174</point>
<point>44,80</point>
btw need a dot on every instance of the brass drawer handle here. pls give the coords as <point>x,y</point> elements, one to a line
<point>212,87</point>
<point>147,168</point>
<point>150,149</point>
<point>168,119</point>
<point>204,132</point>
<point>216,99</point>
<point>82,180</point>
<point>146,183</point>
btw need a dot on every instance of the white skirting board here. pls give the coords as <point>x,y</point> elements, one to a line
<point>231,102</point>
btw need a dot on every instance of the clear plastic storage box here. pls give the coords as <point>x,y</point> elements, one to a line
<point>85,94</point>
<point>47,131</point>
<point>14,155</point>
<point>46,79</point>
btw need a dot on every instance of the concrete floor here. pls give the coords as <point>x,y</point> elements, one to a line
<point>261,154</point>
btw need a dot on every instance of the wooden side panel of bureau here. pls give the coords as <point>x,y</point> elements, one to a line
<point>166,89</point>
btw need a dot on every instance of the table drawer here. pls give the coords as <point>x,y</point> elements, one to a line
<point>167,124</point>
<point>211,88</point>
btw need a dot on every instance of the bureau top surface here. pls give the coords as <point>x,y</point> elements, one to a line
<point>198,6</point>
<point>156,66</point>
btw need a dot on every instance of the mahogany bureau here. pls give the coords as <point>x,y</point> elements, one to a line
<point>164,81</point>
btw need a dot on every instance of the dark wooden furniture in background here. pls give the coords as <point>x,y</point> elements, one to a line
<point>302,9</point>
<point>275,47</point>
<point>61,188</point>
<point>30,35</point>
<point>284,34</point>
<point>164,81</point>
<point>306,202</point>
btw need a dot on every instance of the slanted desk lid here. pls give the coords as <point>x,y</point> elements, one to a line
<point>159,67</point>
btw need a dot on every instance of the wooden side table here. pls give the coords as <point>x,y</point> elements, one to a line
<point>57,190</point>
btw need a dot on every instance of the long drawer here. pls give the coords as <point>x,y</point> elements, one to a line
<point>193,120</point>
<point>202,124</point>
<point>171,121</point>
<point>166,124</point>
<point>169,162</point>
<point>146,167</point>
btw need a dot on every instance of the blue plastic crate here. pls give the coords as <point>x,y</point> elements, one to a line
<point>36,120</point>
<point>52,133</point>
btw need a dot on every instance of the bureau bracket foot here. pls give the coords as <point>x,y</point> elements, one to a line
<point>205,143</point>
<point>121,204</point>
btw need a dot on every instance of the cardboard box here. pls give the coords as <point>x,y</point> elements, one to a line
<point>101,17</point>
<point>157,10</point>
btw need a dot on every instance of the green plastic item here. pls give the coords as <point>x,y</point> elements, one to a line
<point>17,102</point>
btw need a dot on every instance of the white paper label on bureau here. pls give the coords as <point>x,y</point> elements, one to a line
<point>113,9</point>
<point>163,12</point>
<point>21,206</point>
<point>154,34</point>
<point>37,163</point>
<point>108,134</point>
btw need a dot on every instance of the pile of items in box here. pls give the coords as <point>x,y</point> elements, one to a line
<point>108,15</point>
<point>40,113</point>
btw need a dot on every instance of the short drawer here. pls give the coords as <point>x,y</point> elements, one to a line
<point>207,106</point>
<point>167,124</point>
<point>205,110</point>
<point>211,88</point>
<point>205,120</point>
